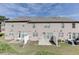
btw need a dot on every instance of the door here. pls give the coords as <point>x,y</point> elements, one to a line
<point>47,36</point>
<point>19,34</point>
<point>61,35</point>
<point>74,36</point>
<point>71,36</point>
<point>22,34</point>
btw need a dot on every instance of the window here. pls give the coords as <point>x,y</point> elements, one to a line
<point>74,35</point>
<point>47,35</point>
<point>22,25</point>
<point>33,25</point>
<point>69,35</point>
<point>35,34</point>
<point>50,34</point>
<point>12,25</point>
<point>47,26</point>
<point>62,25</point>
<point>73,25</point>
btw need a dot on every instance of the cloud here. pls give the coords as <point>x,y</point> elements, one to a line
<point>13,10</point>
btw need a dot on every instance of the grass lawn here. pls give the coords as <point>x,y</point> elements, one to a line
<point>33,49</point>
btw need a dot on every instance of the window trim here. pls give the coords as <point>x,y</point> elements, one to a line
<point>73,25</point>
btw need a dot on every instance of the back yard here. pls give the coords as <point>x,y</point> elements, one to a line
<point>33,49</point>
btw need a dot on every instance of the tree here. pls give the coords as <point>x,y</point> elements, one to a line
<point>3,18</point>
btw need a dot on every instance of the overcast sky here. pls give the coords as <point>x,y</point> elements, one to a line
<point>64,10</point>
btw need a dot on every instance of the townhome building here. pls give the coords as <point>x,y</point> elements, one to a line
<point>42,28</point>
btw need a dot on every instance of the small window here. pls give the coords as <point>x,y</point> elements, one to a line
<point>12,25</point>
<point>35,34</point>
<point>73,25</point>
<point>62,25</point>
<point>33,25</point>
<point>22,25</point>
<point>47,26</point>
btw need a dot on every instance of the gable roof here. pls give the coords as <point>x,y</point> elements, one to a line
<point>42,19</point>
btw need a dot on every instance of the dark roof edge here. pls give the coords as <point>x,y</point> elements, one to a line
<point>45,21</point>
